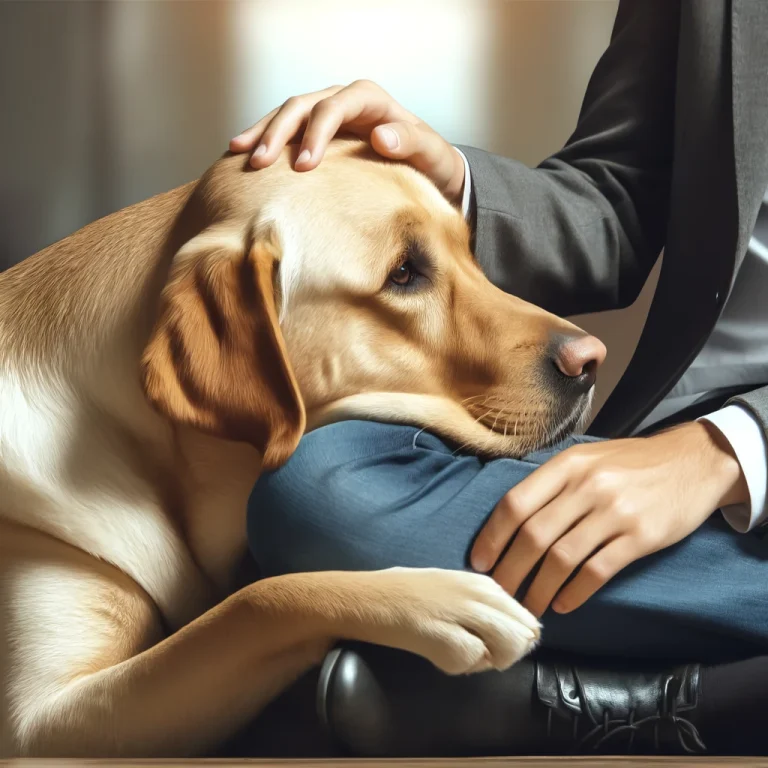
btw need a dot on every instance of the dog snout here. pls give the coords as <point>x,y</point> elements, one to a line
<point>576,358</point>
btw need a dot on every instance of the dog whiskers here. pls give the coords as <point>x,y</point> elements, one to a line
<point>468,400</point>
<point>522,430</point>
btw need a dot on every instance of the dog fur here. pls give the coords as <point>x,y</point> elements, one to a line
<point>153,363</point>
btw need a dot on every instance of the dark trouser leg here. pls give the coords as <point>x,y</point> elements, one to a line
<point>703,600</point>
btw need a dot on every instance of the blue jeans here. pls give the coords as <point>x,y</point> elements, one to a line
<point>362,495</point>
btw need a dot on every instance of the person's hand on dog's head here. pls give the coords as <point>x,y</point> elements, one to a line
<point>366,110</point>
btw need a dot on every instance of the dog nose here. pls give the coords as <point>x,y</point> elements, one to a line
<point>578,358</point>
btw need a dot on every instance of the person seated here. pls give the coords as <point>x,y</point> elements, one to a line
<point>669,153</point>
<point>360,495</point>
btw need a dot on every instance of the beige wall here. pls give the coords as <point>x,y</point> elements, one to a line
<point>105,104</point>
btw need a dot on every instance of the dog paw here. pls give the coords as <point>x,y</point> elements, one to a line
<point>464,622</point>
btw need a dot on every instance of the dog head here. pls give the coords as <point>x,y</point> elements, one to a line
<point>352,292</point>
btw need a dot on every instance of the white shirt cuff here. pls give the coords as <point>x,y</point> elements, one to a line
<point>745,435</point>
<point>465,196</point>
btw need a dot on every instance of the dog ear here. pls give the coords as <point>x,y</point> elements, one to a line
<point>216,358</point>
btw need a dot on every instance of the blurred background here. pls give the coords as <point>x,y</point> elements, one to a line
<point>104,104</point>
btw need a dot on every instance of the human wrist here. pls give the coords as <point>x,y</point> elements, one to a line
<point>719,468</point>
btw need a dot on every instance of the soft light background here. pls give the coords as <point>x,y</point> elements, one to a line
<point>103,104</point>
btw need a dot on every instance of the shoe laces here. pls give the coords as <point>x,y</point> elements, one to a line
<point>607,729</point>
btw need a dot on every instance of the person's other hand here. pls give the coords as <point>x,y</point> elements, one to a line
<point>595,508</point>
<point>363,109</point>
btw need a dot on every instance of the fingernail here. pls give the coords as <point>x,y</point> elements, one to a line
<point>303,157</point>
<point>480,563</point>
<point>390,138</point>
<point>558,607</point>
<point>260,150</point>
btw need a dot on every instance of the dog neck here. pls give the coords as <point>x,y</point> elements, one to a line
<point>83,457</point>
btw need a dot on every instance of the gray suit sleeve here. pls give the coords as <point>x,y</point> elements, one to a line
<point>756,402</point>
<point>581,232</point>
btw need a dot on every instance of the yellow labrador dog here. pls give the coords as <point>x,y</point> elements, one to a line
<point>153,363</point>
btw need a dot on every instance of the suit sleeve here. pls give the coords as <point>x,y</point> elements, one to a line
<point>581,232</point>
<point>756,402</point>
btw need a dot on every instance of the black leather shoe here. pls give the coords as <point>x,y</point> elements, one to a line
<point>376,702</point>
<point>593,709</point>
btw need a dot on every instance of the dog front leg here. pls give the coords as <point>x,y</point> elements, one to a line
<point>192,690</point>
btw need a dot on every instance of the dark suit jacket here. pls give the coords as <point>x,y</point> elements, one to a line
<point>670,152</point>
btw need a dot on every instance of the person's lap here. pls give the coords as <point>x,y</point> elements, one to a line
<point>364,496</point>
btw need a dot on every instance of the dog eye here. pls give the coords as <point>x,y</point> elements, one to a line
<point>403,275</point>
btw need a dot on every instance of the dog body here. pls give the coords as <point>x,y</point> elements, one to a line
<point>153,363</point>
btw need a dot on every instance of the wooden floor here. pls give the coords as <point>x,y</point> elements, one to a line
<point>516,762</point>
